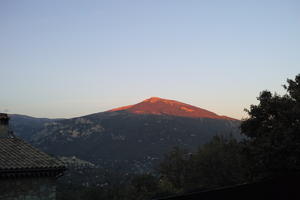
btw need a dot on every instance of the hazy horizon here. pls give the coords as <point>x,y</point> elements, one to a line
<point>62,59</point>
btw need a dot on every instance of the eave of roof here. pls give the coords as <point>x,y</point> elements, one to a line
<point>17,157</point>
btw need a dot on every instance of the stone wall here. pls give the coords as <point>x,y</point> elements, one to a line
<point>28,189</point>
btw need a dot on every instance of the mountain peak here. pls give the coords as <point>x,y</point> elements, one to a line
<point>153,99</point>
<point>160,106</point>
<point>161,100</point>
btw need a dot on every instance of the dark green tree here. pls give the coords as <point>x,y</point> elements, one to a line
<point>273,131</point>
<point>143,186</point>
<point>174,169</point>
<point>218,163</point>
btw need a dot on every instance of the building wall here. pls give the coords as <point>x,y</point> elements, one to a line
<point>28,189</point>
<point>4,131</point>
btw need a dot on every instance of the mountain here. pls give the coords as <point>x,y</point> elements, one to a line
<point>159,106</point>
<point>27,127</point>
<point>133,137</point>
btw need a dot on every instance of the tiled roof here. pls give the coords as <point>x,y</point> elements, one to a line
<point>17,155</point>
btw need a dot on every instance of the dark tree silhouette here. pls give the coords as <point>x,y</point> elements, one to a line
<point>217,163</point>
<point>273,130</point>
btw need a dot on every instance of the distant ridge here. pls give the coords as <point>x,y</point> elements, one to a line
<point>131,138</point>
<point>160,106</point>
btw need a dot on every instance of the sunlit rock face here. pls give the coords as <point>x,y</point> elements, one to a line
<point>159,106</point>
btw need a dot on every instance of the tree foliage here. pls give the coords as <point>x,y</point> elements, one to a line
<point>273,128</point>
<point>174,168</point>
<point>220,163</point>
<point>217,163</point>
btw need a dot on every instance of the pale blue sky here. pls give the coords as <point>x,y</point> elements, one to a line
<point>62,58</point>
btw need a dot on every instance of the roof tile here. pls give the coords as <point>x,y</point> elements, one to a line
<point>15,154</point>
